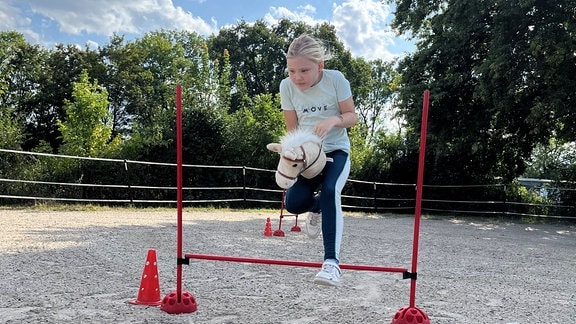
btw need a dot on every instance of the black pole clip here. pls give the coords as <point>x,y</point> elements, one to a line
<point>409,275</point>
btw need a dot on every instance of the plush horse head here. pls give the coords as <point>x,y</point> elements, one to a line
<point>300,154</point>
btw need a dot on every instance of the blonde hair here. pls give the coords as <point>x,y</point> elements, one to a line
<point>309,47</point>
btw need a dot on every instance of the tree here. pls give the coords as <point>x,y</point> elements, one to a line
<point>256,53</point>
<point>555,161</point>
<point>56,72</point>
<point>11,165</point>
<point>501,77</point>
<point>224,87</point>
<point>10,129</point>
<point>21,70</point>
<point>254,126</point>
<point>127,82</point>
<point>143,76</point>
<point>375,107</point>
<point>87,129</point>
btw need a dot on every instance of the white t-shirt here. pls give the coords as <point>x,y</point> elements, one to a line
<point>318,103</point>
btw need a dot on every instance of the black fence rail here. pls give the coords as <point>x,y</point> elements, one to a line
<point>85,180</point>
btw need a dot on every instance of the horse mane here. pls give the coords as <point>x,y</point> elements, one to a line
<point>298,137</point>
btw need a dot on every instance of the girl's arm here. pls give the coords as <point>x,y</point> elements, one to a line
<point>291,120</point>
<point>348,114</point>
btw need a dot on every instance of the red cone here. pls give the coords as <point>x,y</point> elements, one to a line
<point>149,293</point>
<point>268,228</point>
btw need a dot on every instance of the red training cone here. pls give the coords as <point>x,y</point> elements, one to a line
<point>149,293</point>
<point>268,228</point>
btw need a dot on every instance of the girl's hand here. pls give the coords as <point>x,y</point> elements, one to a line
<point>323,128</point>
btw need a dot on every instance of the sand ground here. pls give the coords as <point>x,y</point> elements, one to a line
<point>84,267</point>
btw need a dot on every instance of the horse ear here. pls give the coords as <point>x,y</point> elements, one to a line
<point>274,147</point>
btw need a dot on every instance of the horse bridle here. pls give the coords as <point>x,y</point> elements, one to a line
<point>304,160</point>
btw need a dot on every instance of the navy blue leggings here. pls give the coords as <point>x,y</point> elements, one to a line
<point>300,199</point>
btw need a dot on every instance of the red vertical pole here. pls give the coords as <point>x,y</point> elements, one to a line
<point>179,188</point>
<point>179,301</point>
<point>419,184</point>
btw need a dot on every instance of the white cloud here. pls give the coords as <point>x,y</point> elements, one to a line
<point>127,16</point>
<point>92,44</point>
<point>8,15</point>
<point>303,13</point>
<point>363,27</point>
<point>11,18</point>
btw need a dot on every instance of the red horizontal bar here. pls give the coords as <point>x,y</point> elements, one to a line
<point>359,267</point>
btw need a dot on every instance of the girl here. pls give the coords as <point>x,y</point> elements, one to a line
<point>320,100</point>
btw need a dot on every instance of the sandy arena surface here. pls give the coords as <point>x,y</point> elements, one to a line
<point>84,267</point>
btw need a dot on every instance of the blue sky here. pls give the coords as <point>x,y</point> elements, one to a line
<point>363,25</point>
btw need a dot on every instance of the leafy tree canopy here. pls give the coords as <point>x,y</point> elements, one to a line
<point>501,75</point>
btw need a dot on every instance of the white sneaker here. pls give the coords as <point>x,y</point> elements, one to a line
<point>329,275</point>
<point>313,224</point>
